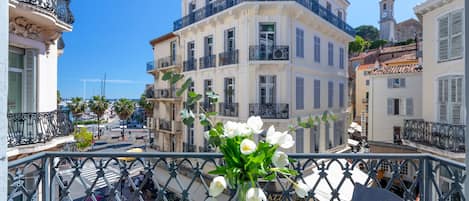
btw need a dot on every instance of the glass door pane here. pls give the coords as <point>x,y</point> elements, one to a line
<point>15,91</point>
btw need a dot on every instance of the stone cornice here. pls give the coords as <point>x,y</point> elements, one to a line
<point>429,5</point>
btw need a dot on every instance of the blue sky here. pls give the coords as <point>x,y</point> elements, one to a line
<point>112,37</point>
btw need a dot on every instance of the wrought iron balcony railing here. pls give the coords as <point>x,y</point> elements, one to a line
<point>207,61</point>
<point>58,8</point>
<point>227,58</point>
<point>444,136</point>
<point>208,107</point>
<point>183,176</point>
<point>150,66</point>
<point>164,125</point>
<point>189,147</point>
<point>190,65</point>
<point>263,53</point>
<point>39,127</point>
<point>221,5</point>
<point>166,93</point>
<point>228,109</point>
<point>269,110</point>
<point>169,61</point>
<point>169,125</point>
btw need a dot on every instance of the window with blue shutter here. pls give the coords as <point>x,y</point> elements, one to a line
<point>341,58</point>
<point>341,95</point>
<point>299,42</point>
<point>317,94</point>
<point>300,140</point>
<point>299,93</point>
<point>330,94</point>
<point>330,54</point>
<point>317,49</point>
<point>409,106</point>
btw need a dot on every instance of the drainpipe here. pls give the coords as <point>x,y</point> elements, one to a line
<point>3,97</point>
<point>466,83</point>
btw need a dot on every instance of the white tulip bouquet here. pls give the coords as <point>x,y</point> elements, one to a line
<point>247,161</point>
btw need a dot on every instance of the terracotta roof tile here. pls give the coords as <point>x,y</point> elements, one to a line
<point>398,69</point>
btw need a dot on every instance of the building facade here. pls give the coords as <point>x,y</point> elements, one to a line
<point>279,60</point>
<point>443,109</point>
<point>35,43</point>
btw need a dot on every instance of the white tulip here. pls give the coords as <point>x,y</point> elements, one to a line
<point>255,194</point>
<point>255,124</point>
<point>280,159</point>
<point>217,186</point>
<point>230,128</point>
<point>247,146</point>
<point>284,139</point>
<point>301,189</point>
<point>207,135</point>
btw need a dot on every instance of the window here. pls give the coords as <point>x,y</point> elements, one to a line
<point>208,42</point>
<point>299,93</point>
<point>266,40</point>
<point>299,140</point>
<point>341,95</point>
<point>173,51</point>
<point>367,82</point>
<point>317,94</point>
<point>230,40</point>
<point>192,6</point>
<point>328,7</point>
<point>339,15</point>
<point>394,106</point>
<point>396,82</point>
<point>450,36</point>
<point>341,58</point>
<point>330,54</point>
<point>229,91</point>
<point>267,89</point>
<point>317,49</point>
<point>330,89</point>
<point>22,70</point>
<point>409,106</point>
<point>190,50</point>
<point>207,88</point>
<point>384,6</point>
<point>299,43</point>
<point>450,99</point>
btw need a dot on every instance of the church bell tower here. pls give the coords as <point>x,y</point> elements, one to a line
<point>387,23</point>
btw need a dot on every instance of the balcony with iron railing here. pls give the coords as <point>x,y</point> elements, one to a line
<point>166,94</point>
<point>228,109</point>
<point>151,66</point>
<point>228,58</point>
<point>269,110</point>
<point>37,127</point>
<point>447,137</point>
<point>222,5</point>
<point>208,107</point>
<point>169,126</point>
<point>186,147</point>
<point>271,53</point>
<point>190,65</point>
<point>51,176</point>
<point>207,62</point>
<point>59,9</point>
<point>169,62</point>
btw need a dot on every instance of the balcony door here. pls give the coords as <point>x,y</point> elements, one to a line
<point>229,91</point>
<point>267,89</point>
<point>190,51</point>
<point>266,40</point>
<point>173,52</point>
<point>21,80</point>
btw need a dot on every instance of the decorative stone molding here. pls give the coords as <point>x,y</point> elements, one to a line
<point>20,26</point>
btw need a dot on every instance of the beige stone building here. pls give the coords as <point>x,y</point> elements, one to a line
<point>280,60</point>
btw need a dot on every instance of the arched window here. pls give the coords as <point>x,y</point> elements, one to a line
<point>384,6</point>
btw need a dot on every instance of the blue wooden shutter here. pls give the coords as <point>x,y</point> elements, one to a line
<point>409,106</point>
<point>317,94</point>
<point>299,140</point>
<point>341,95</point>
<point>330,94</point>
<point>299,93</point>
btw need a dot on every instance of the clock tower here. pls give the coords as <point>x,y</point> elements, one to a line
<point>387,23</point>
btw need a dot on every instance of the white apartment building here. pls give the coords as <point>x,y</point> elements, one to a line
<point>35,43</point>
<point>441,130</point>
<point>395,95</point>
<point>280,60</point>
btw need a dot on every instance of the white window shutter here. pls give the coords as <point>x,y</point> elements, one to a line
<point>443,36</point>
<point>453,90</point>
<point>443,112</point>
<point>409,107</point>
<point>390,106</point>
<point>402,82</point>
<point>30,74</point>
<point>456,114</point>
<point>456,34</point>
<point>389,83</point>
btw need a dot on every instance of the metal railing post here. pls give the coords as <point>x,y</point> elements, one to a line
<point>46,180</point>
<point>426,186</point>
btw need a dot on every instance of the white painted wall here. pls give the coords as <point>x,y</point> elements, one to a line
<point>3,97</point>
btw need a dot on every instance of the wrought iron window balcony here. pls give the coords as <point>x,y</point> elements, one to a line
<point>189,147</point>
<point>264,53</point>
<point>221,5</point>
<point>228,109</point>
<point>208,107</point>
<point>169,61</point>
<point>207,61</point>
<point>170,176</point>
<point>190,65</point>
<point>39,127</point>
<point>166,93</point>
<point>150,66</point>
<point>169,125</point>
<point>228,58</point>
<point>269,110</point>
<point>58,8</point>
<point>444,136</point>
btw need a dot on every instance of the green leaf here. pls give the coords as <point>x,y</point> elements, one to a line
<point>184,87</point>
<point>176,78</point>
<point>219,171</point>
<point>167,76</point>
<point>270,177</point>
<point>211,113</point>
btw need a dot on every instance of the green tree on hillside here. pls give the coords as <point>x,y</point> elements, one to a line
<point>367,32</point>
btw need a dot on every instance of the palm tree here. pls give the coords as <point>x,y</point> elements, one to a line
<point>98,105</point>
<point>124,109</point>
<point>77,107</point>
<point>148,108</point>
